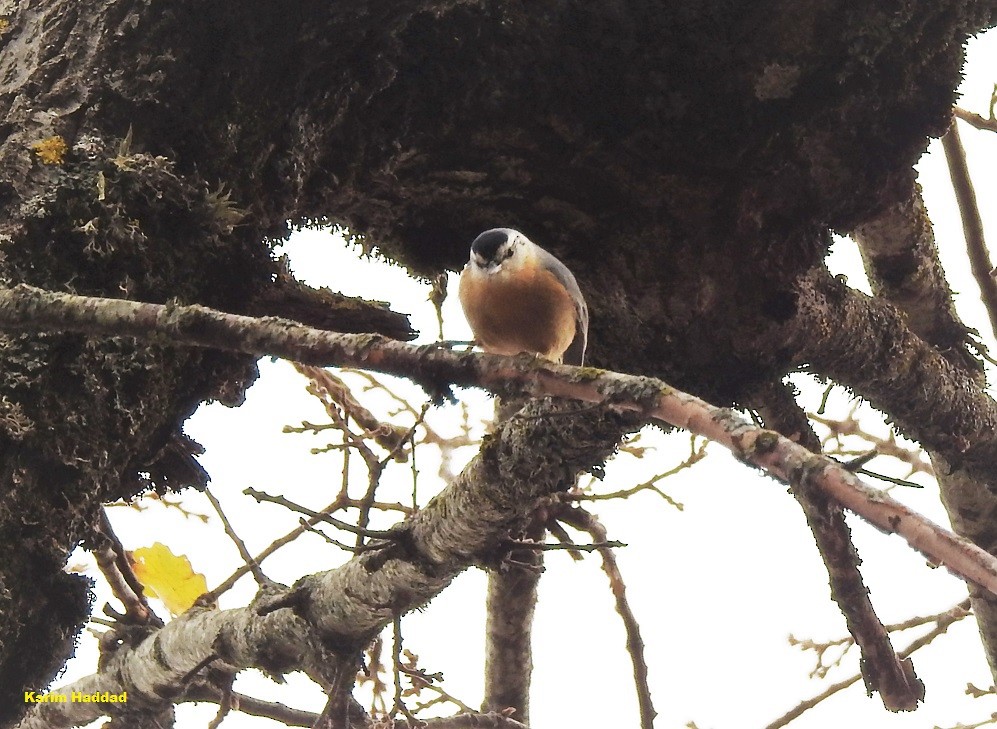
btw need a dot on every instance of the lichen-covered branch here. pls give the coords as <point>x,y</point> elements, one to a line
<point>902,263</point>
<point>865,344</point>
<point>901,260</point>
<point>24,306</point>
<point>510,602</point>
<point>466,524</point>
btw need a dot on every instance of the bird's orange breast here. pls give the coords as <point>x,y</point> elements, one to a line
<point>523,311</point>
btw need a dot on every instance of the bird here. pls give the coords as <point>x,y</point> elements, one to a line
<point>518,298</point>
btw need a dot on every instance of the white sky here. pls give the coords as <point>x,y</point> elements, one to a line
<point>717,587</point>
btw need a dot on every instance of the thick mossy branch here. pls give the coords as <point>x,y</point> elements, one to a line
<point>327,309</point>
<point>901,260</point>
<point>902,263</point>
<point>865,344</point>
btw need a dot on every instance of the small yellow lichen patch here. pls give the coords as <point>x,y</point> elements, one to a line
<point>51,151</point>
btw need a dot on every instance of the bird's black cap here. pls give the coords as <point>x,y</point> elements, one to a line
<point>486,244</point>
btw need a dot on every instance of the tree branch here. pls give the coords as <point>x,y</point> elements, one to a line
<point>865,344</point>
<point>253,706</point>
<point>930,399</point>
<point>903,267</point>
<point>510,603</point>
<point>466,524</point>
<point>586,521</point>
<point>972,223</point>
<point>25,307</point>
<point>974,119</point>
<point>901,260</point>
<point>894,679</point>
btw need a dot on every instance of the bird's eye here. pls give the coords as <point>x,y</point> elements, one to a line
<point>509,252</point>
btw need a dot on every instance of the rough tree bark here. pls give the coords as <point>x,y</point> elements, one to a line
<point>685,159</point>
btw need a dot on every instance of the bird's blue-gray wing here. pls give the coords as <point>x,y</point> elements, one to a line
<point>575,353</point>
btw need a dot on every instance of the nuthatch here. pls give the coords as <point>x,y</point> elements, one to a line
<point>517,297</point>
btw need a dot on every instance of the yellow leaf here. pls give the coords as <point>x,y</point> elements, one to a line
<point>168,577</point>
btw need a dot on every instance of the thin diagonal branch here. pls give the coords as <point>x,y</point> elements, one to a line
<point>972,223</point>
<point>117,570</point>
<point>247,558</point>
<point>586,521</point>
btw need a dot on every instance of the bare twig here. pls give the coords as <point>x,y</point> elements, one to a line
<point>572,547</point>
<point>437,295</point>
<point>887,446</point>
<point>261,579</point>
<point>974,119</point>
<point>944,621</point>
<point>273,547</point>
<point>330,389</point>
<point>821,648</point>
<point>319,516</point>
<point>582,519</point>
<point>822,666</point>
<point>972,223</point>
<point>488,720</point>
<point>335,542</point>
<point>396,652</point>
<point>375,467</point>
<point>695,456</point>
<point>373,383</point>
<point>422,681</point>
<point>372,674</point>
<point>889,479</point>
<point>224,709</point>
<point>564,539</point>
